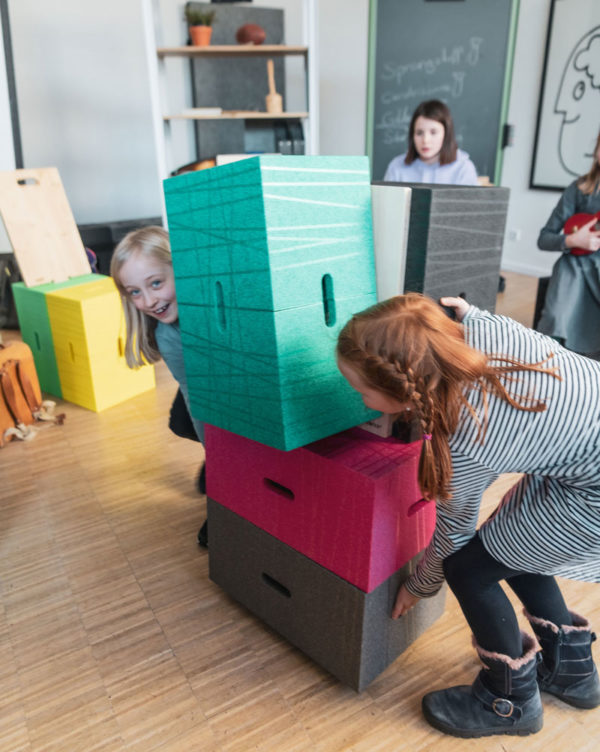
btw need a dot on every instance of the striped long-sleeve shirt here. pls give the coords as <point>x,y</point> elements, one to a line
<point>548,523</point>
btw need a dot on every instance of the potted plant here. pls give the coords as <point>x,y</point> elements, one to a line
<point>200,25</point>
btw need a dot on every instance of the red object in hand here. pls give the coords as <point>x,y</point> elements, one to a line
<point>577,221</point>
<point>250,34</point>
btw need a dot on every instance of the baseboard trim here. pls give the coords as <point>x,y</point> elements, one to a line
<point>531,270</point>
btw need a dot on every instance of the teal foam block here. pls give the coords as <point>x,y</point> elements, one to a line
<point>272,255</point>
<point>34,323</point>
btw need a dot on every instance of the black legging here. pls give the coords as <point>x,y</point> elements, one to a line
<point>474,576</point>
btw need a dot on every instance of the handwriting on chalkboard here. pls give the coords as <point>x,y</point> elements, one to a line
<point>401,86</point>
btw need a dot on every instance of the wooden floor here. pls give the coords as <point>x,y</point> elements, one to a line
<point>113,638</point>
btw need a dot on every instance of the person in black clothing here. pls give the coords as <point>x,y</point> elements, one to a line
<point>181,425</point>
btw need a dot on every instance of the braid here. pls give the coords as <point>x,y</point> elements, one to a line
<point>435,452</point>
<point>429,412</point>
<point>408,349</point>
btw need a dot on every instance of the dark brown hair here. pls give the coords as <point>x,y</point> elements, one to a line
<point>433,109</point>
<point>407,348</point>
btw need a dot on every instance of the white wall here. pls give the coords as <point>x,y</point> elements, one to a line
<point>7,158</point>
<point>343,51</point>
<point>83,93</point>
<point>84,100</point>
<point>528,209</point>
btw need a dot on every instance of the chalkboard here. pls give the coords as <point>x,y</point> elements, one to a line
<point>459,51</point>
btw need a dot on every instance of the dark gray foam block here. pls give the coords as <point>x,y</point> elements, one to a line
<point>346,631</point>
<point>455,240</point>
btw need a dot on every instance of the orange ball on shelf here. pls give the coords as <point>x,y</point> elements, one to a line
<point>250,34</point>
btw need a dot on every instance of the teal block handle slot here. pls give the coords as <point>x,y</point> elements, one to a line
<point>37,341</point>
<point>272,485</point>
<point>271,582</point>
<point>328,300</point>
<point>220,297</point>
<point>417,506</point>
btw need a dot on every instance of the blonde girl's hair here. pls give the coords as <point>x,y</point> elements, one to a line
<point>590,183</point>
<point>407,348</point>
<point>150,242</point>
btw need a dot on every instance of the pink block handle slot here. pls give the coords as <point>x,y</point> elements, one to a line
<point>280,490</point>
<point>417,506</point>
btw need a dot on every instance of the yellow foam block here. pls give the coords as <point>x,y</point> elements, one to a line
<point>88,329</point>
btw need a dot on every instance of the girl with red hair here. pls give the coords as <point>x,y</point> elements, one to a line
<point>494,397</point>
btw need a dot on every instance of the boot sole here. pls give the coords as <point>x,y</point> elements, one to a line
<point>531,728</point>
<point>572,701</point>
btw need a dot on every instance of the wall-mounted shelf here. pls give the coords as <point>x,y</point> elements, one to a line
<point>232,50</point>
<point>158,54</point>
<point>238,115</point>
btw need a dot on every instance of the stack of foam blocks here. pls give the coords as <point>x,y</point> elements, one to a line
<point>76,332</point>
<point>313,522</point>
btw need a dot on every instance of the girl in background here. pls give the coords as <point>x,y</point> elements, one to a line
<point>571,312</point>
<point>433,155</point>
<point>142,269</point>
<point>494,397</point>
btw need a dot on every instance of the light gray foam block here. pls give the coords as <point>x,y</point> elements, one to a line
<point>455,240</point>
<point>346,631</point>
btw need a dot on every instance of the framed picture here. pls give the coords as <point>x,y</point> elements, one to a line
<point>569,108</point>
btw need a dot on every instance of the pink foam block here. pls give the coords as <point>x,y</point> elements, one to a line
<point>350,502</point>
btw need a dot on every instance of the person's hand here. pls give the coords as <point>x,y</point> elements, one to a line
<point>460,306</point>
<point>404,602</point>
<point>585,237</point>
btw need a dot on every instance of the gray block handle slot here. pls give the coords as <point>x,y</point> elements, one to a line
<point>273,583</point>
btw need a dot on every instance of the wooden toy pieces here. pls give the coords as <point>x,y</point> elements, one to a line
<point>273,100</point>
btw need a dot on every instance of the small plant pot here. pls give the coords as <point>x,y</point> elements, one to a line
<point>200,35</point>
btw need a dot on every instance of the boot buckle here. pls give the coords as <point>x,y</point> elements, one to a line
<point>503,707</point>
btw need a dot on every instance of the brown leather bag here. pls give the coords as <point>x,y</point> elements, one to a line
<point>21,402</point>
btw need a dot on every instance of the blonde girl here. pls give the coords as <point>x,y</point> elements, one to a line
<point>142,269</point>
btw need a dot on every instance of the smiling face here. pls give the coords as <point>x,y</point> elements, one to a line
<point>428,138</point>
<point>373,399</point>
<point>150,285</point>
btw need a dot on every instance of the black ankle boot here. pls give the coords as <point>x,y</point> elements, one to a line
<point>567,669</point>
<point>201,480</point>
<point>504,698</point>
<point>203,535</point>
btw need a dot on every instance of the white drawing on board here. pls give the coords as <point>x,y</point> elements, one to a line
<point>578,101</point>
